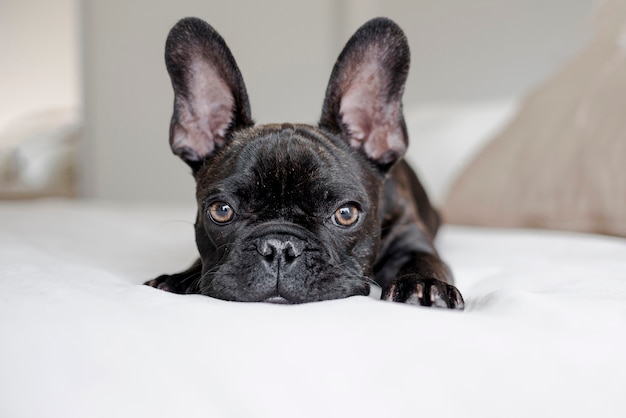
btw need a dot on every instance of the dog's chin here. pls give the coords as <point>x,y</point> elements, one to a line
<point>264,291</point>
<point>278,300</point>
<point>282,300</point>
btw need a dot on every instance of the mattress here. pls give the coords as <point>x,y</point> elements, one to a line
<point>543,333</point>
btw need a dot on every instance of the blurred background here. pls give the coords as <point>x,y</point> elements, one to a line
<point>85,99</point>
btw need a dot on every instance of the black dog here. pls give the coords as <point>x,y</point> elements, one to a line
<point>292,213</point>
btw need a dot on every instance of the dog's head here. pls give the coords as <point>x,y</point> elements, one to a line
<point>288,213</point>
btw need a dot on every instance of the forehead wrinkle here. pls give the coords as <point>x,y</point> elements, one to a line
<point>288,165</point>
<point>277,167</point>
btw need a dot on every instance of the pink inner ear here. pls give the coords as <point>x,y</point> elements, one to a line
<point>374,123</point>
<point>205,115</point>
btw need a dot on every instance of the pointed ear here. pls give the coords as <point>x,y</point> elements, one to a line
<point>210,99</point>
<point>364,96</point>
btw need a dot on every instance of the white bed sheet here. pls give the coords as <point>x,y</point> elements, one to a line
<point>544,332</point>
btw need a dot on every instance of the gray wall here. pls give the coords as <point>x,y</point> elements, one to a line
<point>282,48</point>
<point>38,59</point>
<point>462,51</point>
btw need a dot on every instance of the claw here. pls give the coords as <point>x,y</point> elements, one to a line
<point>415,290</point>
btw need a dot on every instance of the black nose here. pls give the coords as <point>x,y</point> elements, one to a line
<point>277,250</point>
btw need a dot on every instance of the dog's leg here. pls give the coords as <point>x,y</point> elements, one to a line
<point>183,282</point>
<point>424,280</point>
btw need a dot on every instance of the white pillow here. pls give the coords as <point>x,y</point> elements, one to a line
<point>443,138</point>
<point>38,151</point>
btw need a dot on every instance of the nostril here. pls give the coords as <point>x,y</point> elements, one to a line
<point>285,249</point>
<point>290,254</point>
<point>266,249</point>
<point>294,250</point>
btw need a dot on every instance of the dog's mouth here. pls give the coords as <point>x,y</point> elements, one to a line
<point>279,300</point>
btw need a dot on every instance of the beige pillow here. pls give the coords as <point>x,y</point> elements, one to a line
<point>561,163</point>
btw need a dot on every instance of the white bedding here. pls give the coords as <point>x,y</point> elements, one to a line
<point>544,332</point>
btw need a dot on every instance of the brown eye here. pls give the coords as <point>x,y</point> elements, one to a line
<point>221,212</point>
<point>347,215</point>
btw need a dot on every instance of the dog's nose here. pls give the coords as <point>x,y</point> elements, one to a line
<point>280,250</point>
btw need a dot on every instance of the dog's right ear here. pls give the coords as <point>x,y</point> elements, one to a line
<point>364,95</point>
<point>210,99</point>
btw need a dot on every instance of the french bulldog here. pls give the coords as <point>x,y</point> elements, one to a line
<point>293,213</point>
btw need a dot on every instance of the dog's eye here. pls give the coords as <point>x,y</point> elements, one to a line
<point>347,215</point>
<point>221,212</point>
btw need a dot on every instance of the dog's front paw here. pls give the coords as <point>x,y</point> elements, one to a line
<point>183,282</point>
<point>416,290</point>
<point>161,282</point>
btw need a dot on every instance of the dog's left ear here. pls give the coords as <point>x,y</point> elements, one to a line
<point>364,95</point>
<point>210,98</point>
